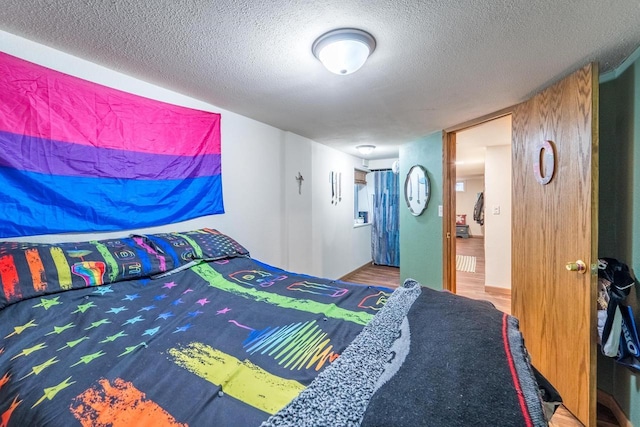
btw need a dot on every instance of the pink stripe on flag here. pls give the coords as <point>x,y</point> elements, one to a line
<point>37,101</point>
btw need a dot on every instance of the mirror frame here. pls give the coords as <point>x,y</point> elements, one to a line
<point>422,206</point>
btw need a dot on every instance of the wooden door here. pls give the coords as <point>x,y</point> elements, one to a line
<point>553,224</point>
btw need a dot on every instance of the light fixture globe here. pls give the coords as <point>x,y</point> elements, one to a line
<point>345,50</point>
<point>365,149</point>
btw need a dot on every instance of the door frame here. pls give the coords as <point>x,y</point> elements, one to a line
<point>449,194</point>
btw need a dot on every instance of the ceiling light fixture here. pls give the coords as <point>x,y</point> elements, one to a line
<point>366,149</point>
<point>345,50</point>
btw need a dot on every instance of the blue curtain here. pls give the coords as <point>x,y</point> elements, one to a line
<point>385,233</point>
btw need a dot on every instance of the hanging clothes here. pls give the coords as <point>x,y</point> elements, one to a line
<point>385,228</point>
<point>617,330</point>
<point>478,210</point>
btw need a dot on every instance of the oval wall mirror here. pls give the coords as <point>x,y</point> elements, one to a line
<point>417,190</point>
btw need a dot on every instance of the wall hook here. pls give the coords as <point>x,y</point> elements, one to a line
<point>299,178</point>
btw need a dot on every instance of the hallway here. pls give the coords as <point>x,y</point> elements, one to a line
<point>471,284</point>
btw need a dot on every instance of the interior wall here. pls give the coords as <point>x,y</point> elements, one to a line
<point>466,202</point>
<point>333,254</point>
<point>619,211</point>
<point>421,236</point>
<point>497,216</point>
<point>263,210</point>
<point>381,163</point>
<point>298,202</point>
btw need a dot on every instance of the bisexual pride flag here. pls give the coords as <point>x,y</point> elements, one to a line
<point>76,156</point>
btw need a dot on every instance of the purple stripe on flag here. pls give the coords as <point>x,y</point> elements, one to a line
<point>32,154</point>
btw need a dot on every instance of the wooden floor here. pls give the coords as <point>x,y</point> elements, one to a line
<point>468,284</point>
<point>372,274</point>
<point>472,284</point>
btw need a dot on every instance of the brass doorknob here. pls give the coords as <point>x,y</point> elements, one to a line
<point>578,266</point>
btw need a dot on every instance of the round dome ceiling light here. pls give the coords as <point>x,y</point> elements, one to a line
<point>366,149</point>
<point>345,50</point>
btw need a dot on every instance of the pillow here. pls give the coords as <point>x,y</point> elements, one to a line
<point>461,219</point>
<point>204,244</point>
<point>32,269</point>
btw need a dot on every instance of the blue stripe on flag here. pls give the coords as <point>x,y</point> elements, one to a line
<point>46,204</point>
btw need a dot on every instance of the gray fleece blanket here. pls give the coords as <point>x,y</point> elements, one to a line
<point>428,358</point>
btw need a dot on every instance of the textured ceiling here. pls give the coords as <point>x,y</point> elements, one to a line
<point>437,63</point>
<point>472,143</point>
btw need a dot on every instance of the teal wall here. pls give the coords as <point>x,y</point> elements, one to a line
<point>619,210</point>
<point>421,236</point>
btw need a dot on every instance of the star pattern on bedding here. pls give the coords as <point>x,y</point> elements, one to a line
<point>131,349</point>
<point>170,285</point>
<point>169,291</point>
<point>194,313</point>
<point>165,315</point>
<point>105,323</point>
<point>47,303</point>
<point>84,307</point>
<point>28,351</point>
<point>182,328</point>
<point>133,320</point>
<point>116,310</point>
<point>17,330</point>
<point>51,392</point>
<point>151,331</point>
<point>103,290</point>
<point>86,359</point>
<point>71,344</point>
<point>112,338</point>
<point>98,323</point>
<point>60,329</point>
<point>41,367</point>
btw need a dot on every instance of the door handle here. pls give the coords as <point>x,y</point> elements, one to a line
<point>578,266</point>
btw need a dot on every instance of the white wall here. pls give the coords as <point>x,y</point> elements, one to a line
<point>497,242</point>
<point>466,201</point>
<point>263,210</point>
<point>298,206</point>
<point>381,163</point>
<point>331,223</point>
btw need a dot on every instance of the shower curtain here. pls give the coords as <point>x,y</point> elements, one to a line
<point>385,234</point>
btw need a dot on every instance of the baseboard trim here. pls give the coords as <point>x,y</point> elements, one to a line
<point>609,401</point>
<point>497,290</point>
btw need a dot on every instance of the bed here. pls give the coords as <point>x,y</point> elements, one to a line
<point>185,328</point>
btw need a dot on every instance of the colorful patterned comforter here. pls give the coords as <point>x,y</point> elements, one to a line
<point>224,342</point>
<point>186,329</point>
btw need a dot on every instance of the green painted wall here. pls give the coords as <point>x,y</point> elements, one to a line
<point>619,210</point>
<point>421,236</point>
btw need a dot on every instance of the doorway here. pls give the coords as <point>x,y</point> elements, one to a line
<point>482,206</point>
<point>555,223</point>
